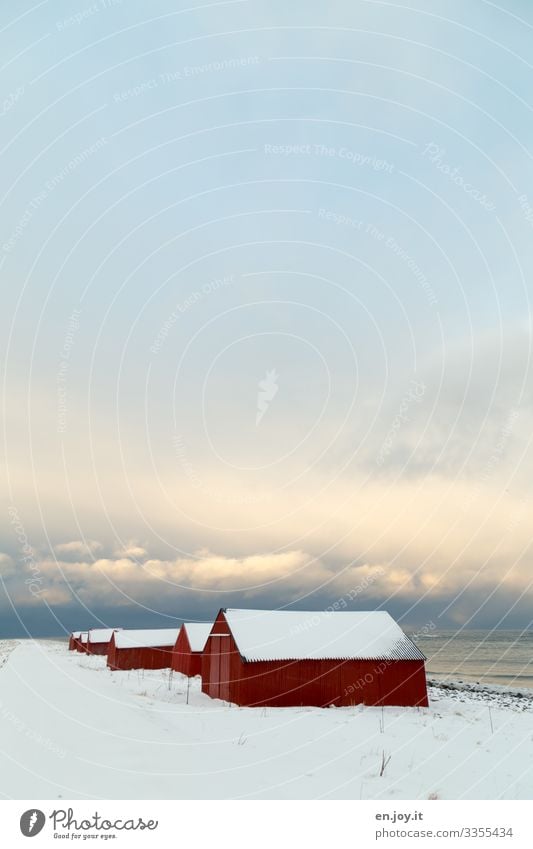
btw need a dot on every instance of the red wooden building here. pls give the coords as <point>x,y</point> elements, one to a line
<point>292,658</point>
<point>187,654</point>
<point>81,642</point>
<point>151,649</point>
<point>98,640</point>
<point>74,640</point>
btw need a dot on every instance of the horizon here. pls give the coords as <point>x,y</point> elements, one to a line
<point>407,628</point>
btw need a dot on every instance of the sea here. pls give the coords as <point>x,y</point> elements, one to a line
<point>479,657</point>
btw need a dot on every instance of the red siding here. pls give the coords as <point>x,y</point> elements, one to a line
<point>97,648</point>
<point>71,643</point>
<point>183,659</point>
<point>316,683</point>
<point>156,657</point>
<point>81,647</point>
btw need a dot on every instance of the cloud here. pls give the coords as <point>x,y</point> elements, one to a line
<point>210,572</point>
<point>7,566</point>
<point>277,579</point>
<point>78,548</point>
<point>123,581</point>
<point>132,550</point>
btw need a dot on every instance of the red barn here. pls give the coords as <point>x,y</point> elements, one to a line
<point>187,654</point>
<point>73,640</point>
<point>98,640</point>
<point>81,642</point>
<point>142,649</point>
<point>292,658</point>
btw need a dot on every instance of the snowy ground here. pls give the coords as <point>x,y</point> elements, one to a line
<point>70,729</point>
<point>489,694</point>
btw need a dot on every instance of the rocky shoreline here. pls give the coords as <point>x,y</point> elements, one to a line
<point>518,699</point>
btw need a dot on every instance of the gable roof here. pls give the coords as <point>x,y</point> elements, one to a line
<point>76,634</point>
<point>102,635</point>
<point>197,633</point>
<point>154,638</point>
<point>322,635</point>
<point>83,636</point>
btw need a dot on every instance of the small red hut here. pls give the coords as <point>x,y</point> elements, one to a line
<point>291,658</point>
<point>98,640</point>
<point>73,640</point>
<point>81,642</point>
<point>150,649</point>
<point>187,654</point>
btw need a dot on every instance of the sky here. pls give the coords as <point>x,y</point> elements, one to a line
<point>265,311</point>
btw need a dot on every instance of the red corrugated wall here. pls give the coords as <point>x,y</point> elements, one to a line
<point>307,682</point>
<point>183,659</point>
<point>97,648</point>
<point>156,657</point>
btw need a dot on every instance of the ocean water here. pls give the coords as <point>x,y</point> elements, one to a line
<point>484,657</point>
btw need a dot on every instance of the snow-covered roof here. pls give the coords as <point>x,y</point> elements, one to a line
<point>145,639</point>
<point>76,634</point>
<point>83,636</point>
<point>328,635</point>
<point>101,635</point>
<point>197,632</point>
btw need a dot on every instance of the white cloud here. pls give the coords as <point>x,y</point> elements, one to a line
<point>132,549</point>
<point>78,548</point>
<point>121,581</point>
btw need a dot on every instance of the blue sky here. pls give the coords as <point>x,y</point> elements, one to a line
<point>323,214</point>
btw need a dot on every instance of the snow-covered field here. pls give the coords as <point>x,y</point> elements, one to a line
<point>69,729</point>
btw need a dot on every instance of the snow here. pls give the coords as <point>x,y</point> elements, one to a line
<point>197,632</point>
<point>83,636</point>
<point>102,635</point>
<point>335,635</point>
<point>158,637</point>
<point>71,728</point>
<point>494,695</point>
<point>76,634</point>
